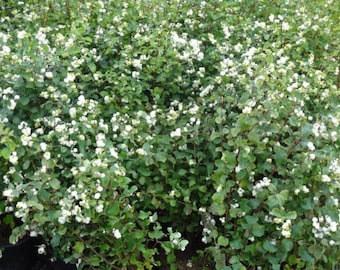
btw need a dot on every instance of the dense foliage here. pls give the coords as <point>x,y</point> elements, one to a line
<point>128,126</point>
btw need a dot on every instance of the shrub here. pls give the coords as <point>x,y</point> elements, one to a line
<point>128,125</point>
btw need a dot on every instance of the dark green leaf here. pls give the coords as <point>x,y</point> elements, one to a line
<point>258,230</point>
<point>317,251</point>
<point>270,247</point>
<point>236,244</point>
<point>307,204</point>
<point>251,219</point>
<point>303,253</point>
<point>144,171</point>
<point>287,244</point>
<point>24,100</point>
<point>113,209</point>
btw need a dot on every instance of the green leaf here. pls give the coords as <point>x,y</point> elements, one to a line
<point>242,174</point>
<point>259,83</point>
<point>94,261</point>
<point>271,201</point>
<point>218,120</point>
<point>278,212</point>
<point>218,197</point>
<point>234,259</point>
<point>275,262</point>
<point>292,260</point>
<point>182,172</point>
<point>113,209</point>
<point>236,244</point>
<point>258,230</point>
<point>48,163</point>
<point>130,190</point>
<point>6,153</point>
<point>307,204</point>
<point>282,197</point>
<point>272,188</point>
<point>17,233</point>
<point>26,164</point>
<point>298,229</point>
<point>143,215</point>
<point>36,205</point>
<point>229,158</point>
<point>291,215</point>
<point>11,145</point>
<point>251,219</point>
<point>317,251</point>
<point>173,203</point>
<point>280,155</point>
<point>24,100</point>
<point>278,199</point>
<point>62,230</point>
<point>161,156</point>
<point>234,132</point>
<point>166,246</point>
<point>254,137</point>
<point>306,130</point>
<point>144,171</point>
<point>182,244</point>
<point>238,266</point>
<point>228,185</point>
<point>287,244</point>
<point>78,247</point>
<point>138,234</point>
<point>55,240</point>
<point>171,258</point>
<point>222,241</point>
<point>217,209</point>
<point>270,247</point>
<point>219,257</point>
<point>303,253</point>
<point>55,183</point>
<point>156,234</point>
<point>8,219</point>
<point>214,135</point>
<point>44,195</point>
<point>92,67</point>
<point>253,203</point>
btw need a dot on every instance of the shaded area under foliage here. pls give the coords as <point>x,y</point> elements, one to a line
<point>24,256</point>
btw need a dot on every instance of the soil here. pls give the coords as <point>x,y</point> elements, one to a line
<point>24,256</point>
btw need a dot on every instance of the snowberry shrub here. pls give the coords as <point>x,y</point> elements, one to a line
<point>128,125</point>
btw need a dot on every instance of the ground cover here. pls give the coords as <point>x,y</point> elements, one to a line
<point>162,134</point>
